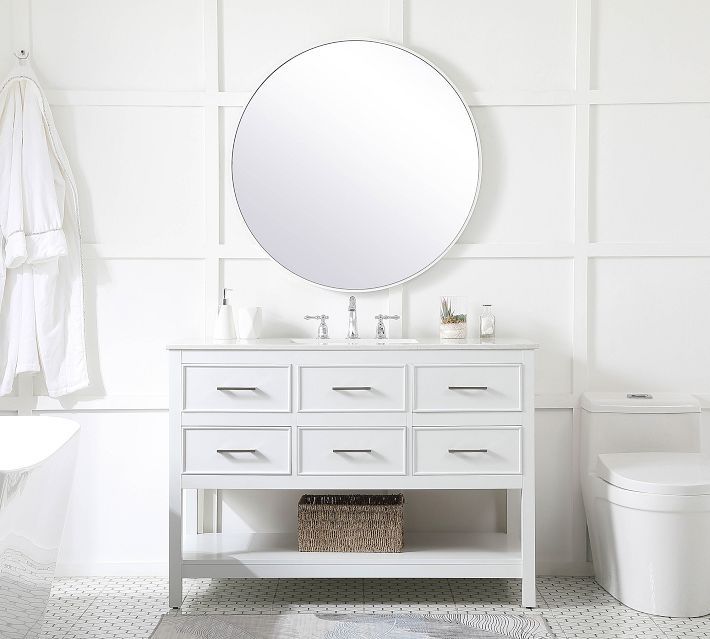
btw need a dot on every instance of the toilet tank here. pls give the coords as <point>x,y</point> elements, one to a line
<point>627,423</point>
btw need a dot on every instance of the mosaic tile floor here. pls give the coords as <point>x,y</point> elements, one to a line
<point>129,608</point>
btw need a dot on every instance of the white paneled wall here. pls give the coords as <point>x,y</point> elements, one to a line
<point>591,233</point>
<point>651,46</point>
<point>665,196</point>
<point>496,46</point>
<point>116,511</point>
<point>6,35</point>
<point>141,170</point>
<point>648,319</point>
<point>131,45</point>
<point>256,37</point>
<point>527,180</point>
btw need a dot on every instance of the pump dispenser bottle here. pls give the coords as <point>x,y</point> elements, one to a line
<point>224,324</point>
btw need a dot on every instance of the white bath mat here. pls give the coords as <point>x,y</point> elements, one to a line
<point>352,626</point>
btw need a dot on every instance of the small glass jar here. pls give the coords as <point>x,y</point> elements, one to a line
<point>452,316</point>
<point>487,323</point>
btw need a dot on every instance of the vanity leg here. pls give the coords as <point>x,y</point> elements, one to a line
<point>175,546</point>
<point>527,542</point>
<point>527,499</point>
<point>175,485</point>
<point>175,578</point>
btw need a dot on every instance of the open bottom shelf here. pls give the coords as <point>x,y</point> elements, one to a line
<point>424,555</point>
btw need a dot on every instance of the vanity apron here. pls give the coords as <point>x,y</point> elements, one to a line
<point>41,290</point>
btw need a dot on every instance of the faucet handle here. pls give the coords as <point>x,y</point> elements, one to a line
<point>322,327</point>
<point>380,331</point>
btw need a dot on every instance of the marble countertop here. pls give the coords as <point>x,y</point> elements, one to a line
<point>288,344</point>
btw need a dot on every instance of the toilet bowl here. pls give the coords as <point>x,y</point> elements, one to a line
<point>646,490</point>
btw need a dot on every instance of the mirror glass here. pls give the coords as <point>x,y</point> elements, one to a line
<point>356,165</point>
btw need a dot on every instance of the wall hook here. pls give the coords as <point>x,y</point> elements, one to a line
<point>22,54</point>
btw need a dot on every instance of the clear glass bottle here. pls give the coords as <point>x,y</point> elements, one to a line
<point>487,323</point>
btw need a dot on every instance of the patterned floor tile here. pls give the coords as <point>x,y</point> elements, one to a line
<point>130,608</point>
<point>553,623</point>
<point>562,592</point>
<point>225,596</point>
<point>79,586</point>
<point>131,587</point>
<point>61,614</point>
<point>487,595</point>
<point>675,628</point>
<point>254,588</point>
<point>118,616</point>
<point>579,607</point>
<point>605,624</point>
<point>423,596</point>
<point>319,595</point>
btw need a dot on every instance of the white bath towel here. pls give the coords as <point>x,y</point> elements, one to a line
<point>41,289</point>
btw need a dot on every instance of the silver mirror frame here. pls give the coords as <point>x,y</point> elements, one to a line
<point>478,177</point>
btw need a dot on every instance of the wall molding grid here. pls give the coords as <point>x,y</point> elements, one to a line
<point>579,250</point>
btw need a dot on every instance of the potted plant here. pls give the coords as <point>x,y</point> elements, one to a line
<point>453,318</point>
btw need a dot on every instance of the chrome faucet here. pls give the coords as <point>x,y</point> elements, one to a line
<point>352,319</point>
<point>380,330</point>
<point>322,327</point>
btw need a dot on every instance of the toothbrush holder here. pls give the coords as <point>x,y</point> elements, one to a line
<point>249,322</point>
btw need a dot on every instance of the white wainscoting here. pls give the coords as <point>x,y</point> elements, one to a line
<point>591,233</point>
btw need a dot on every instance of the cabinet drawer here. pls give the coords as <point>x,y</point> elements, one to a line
<point>258,389</point>
<point>351,388</point>
<point>466,451</point>
<point>485,387</point>
<point>351,451</point>
<point>237,451</point>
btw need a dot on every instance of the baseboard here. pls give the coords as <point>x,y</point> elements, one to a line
<point>559,569</point>
<point>129,569</point>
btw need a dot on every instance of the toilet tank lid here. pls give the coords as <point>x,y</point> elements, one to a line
<point>637,403</point>
<point>657,473</point>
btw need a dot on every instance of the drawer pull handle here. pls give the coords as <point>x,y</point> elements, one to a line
<point>352,450</point>
<point>468,450</point>
<point>468,387</point>
<point>346,388</point>
<point>236,450</point>
<point>236,388</point>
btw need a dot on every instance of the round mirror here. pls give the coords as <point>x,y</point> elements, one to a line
<point>356,165</point>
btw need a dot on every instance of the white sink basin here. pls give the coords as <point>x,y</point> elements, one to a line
<point>354,342</point>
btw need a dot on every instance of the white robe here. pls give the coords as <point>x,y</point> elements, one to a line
<point>41,290</point>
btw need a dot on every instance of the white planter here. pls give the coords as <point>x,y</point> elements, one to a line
<point>452,331</point>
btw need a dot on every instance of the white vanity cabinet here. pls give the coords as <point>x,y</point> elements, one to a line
<point>273,414</point>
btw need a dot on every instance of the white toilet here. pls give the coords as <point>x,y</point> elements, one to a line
<point>646,490</point>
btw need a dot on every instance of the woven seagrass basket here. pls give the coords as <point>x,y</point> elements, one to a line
<point>351,523</point>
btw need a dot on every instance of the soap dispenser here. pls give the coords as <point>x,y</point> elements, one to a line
<point>224,324</point>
